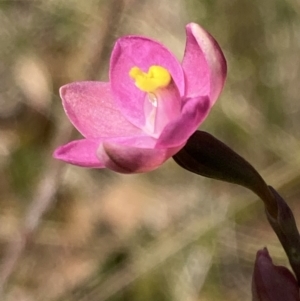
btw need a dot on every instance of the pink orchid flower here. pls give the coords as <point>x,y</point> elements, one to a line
<point>149,108</point>
<point>271,282</point>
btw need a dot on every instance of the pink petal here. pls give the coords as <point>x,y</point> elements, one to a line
<point>79,152</point>
<point>177,132</point>
<point>140,52</point>
<point>160,109</point>
<point>91,109</point>
<point>271,282</point>
<point>203,63</point>
<point>133,155</point>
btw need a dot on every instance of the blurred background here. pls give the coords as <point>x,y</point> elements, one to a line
<point>69,233</point>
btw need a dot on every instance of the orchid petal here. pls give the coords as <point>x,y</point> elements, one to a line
<point>203,63</point>
<point>90,107</point>
<point>272,283</point>
<point>79,152</point>
<point>133,155</point>
<point>160,108</point>
<point>178,131</point>
<point>134,51</point>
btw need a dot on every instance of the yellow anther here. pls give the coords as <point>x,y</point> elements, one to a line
<point>157,77</point>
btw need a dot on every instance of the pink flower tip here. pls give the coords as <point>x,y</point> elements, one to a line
<point>149,108</point>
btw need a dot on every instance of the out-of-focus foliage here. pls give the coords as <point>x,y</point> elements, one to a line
<point>166,235</point>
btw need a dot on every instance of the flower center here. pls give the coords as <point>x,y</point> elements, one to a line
<point>156,77</point>
<point>158,86</point>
